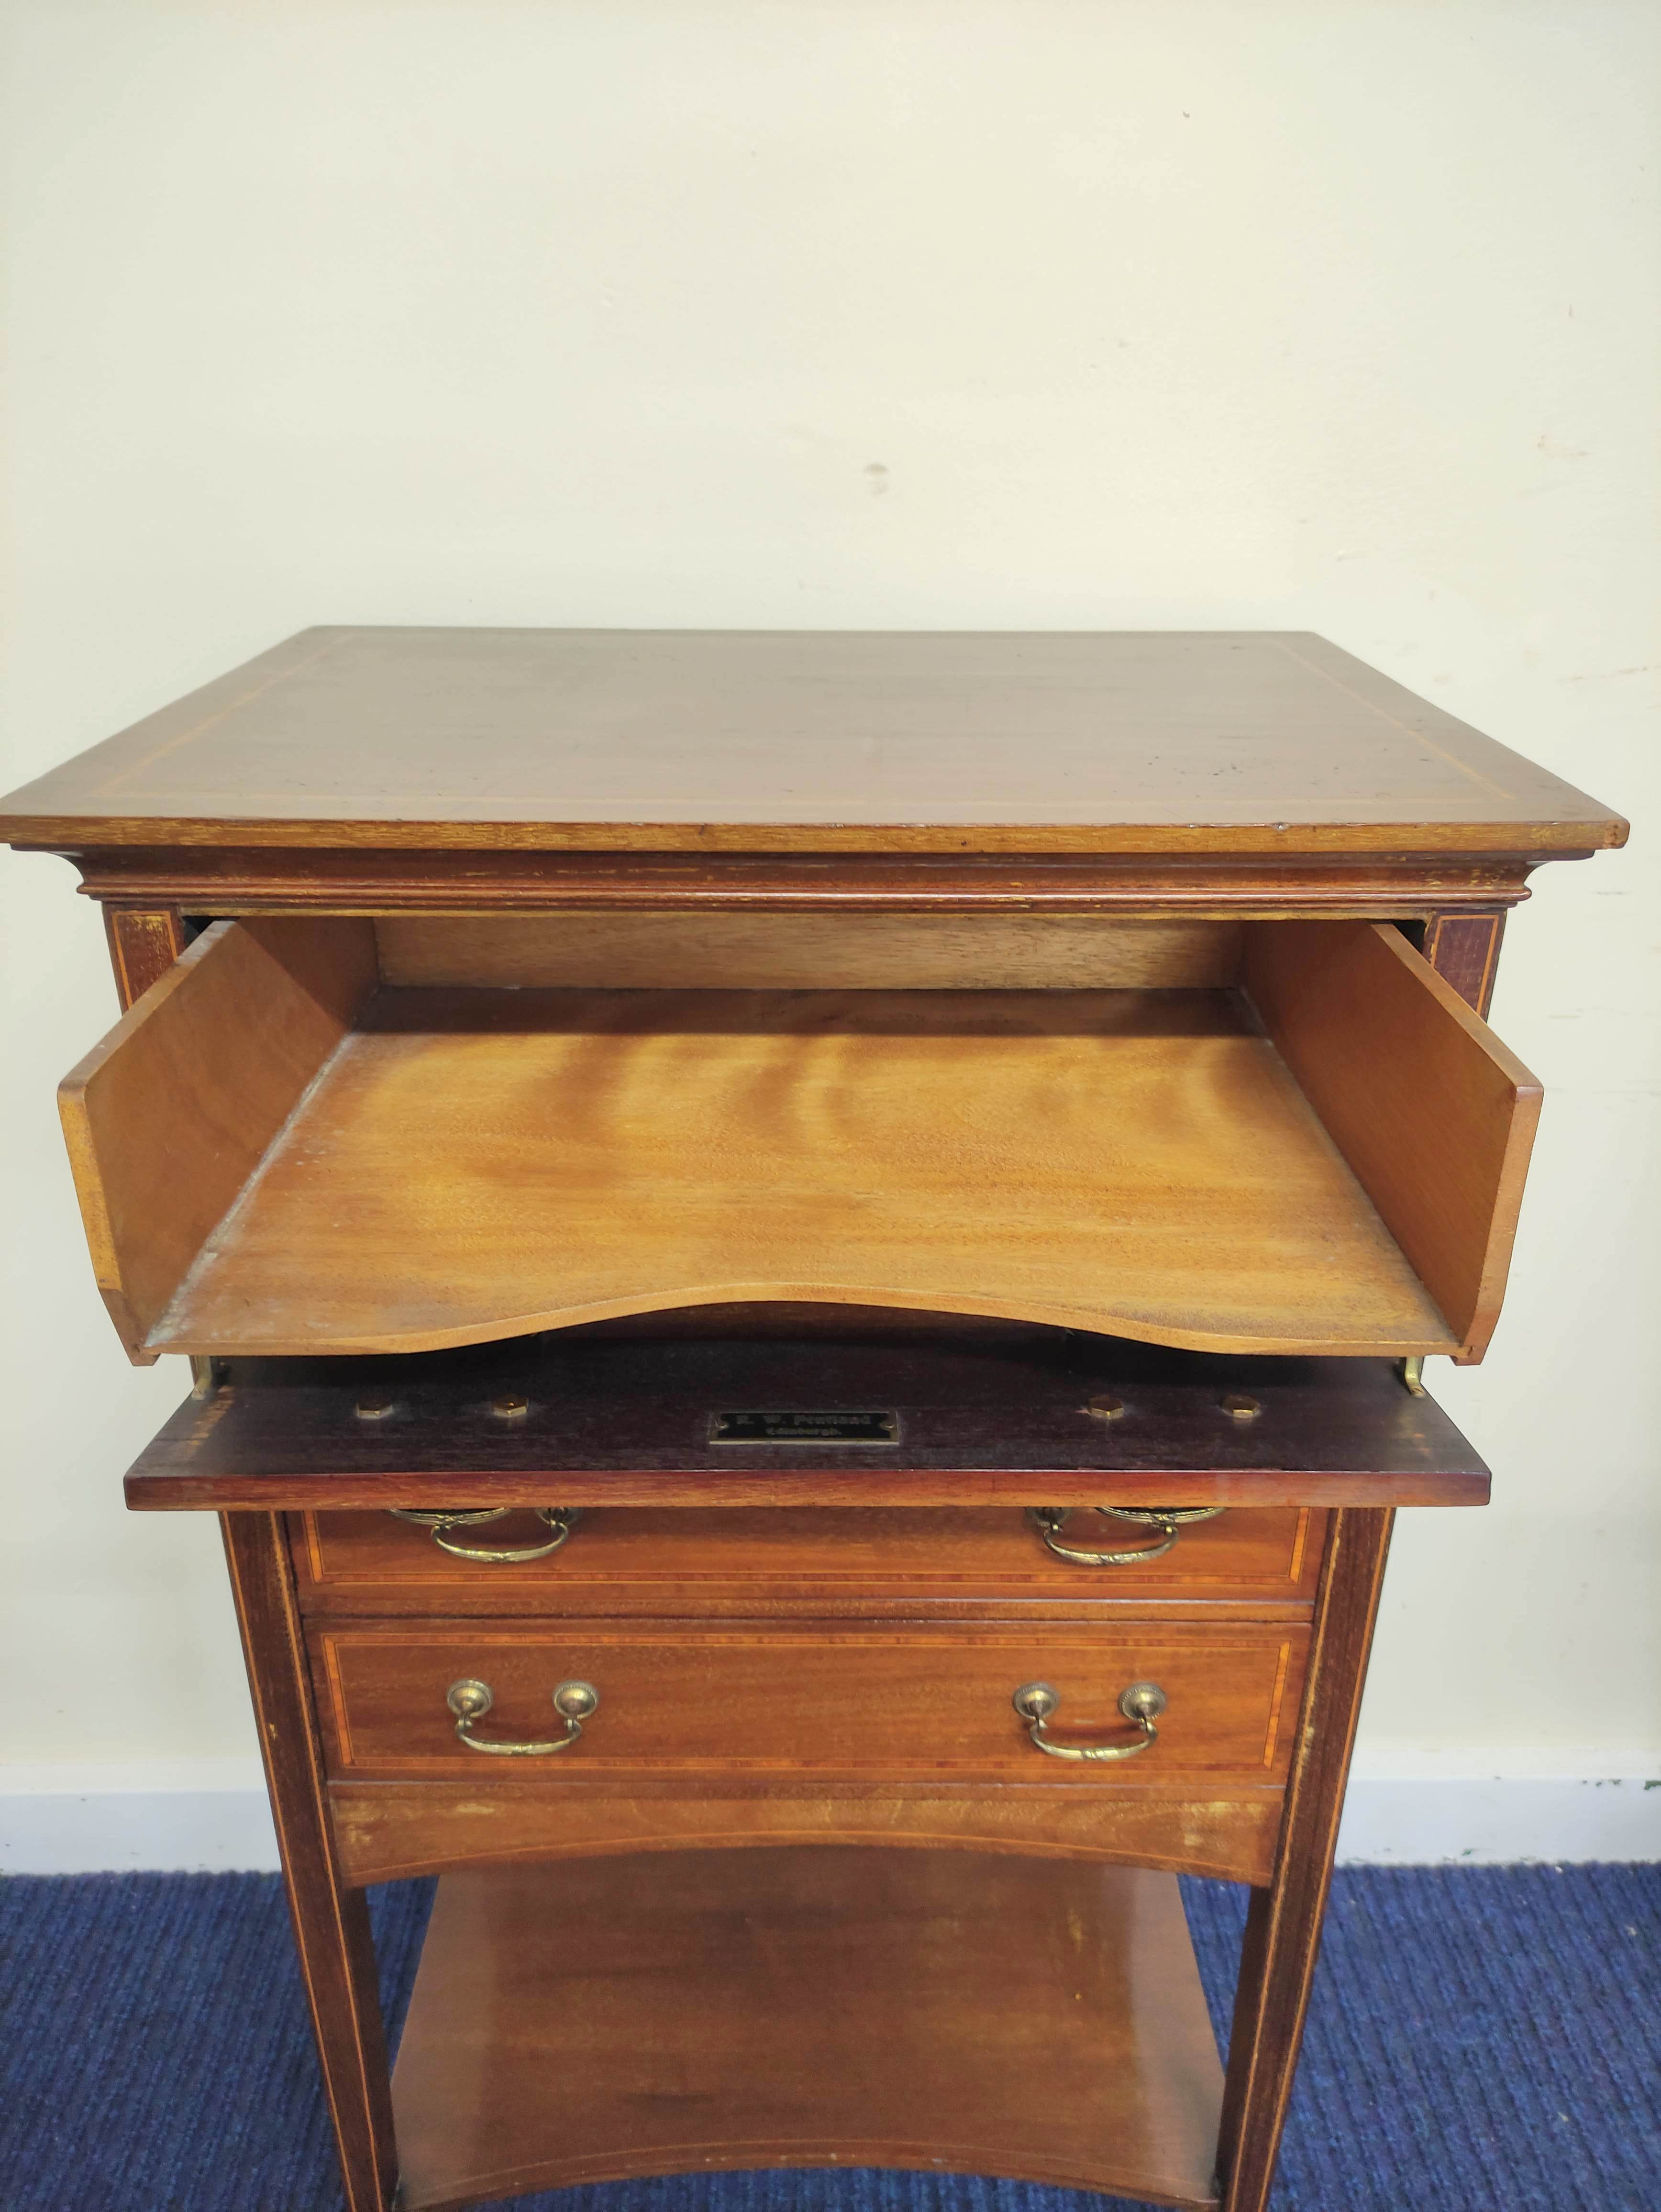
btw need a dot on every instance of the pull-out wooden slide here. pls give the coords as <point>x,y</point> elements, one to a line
<point>283,1148</point>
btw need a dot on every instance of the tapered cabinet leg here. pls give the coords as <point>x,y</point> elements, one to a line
<point>1283,1924</point>
<point>1283,1928</point>
<point>331,1921</point>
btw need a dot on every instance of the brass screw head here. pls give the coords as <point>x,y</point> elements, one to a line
<point>1241,1407</point>
<point>510,1407</point>
<point>375,1406</point>
<point>1106,1408</point>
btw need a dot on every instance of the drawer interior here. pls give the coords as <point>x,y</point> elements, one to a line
<point>331,1136</point>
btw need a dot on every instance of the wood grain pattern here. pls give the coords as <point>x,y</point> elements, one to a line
<point>990,1413</point>
<point>670,950</point>
<point>389,1831</point>
<point>482,1163</point>
<point>1283,1928</point>
<point>738,1702</point>
<point>811,2008</point>
<point>1126,1163</point>
<point>869,1562</point>
<point>1246,742</point>
<point>1382,1045</point>
<point>330,1920</point>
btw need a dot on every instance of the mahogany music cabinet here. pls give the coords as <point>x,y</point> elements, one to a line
<point>807,1261</point>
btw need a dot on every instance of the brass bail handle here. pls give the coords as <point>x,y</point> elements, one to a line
<point>1142,1703</point>
<point>562,1519</point>
<point>1168,1520</point>
<point>470,1700</point>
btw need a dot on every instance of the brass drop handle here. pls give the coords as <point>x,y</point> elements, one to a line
<point>470,1700</point>
<point>1143,1703</point>
<point>562,1519</point>
<point>1168,1520</point>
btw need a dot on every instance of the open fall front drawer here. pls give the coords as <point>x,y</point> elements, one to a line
<point>340,1135</point>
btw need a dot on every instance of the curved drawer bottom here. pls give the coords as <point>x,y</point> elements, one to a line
<point>388,1830</point>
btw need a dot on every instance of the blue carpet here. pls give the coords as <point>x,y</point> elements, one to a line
<point>1482,2040</point>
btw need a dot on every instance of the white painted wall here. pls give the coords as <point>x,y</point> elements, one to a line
<point>894,313</point>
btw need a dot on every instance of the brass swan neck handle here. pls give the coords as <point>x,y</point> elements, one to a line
<point>562,1519</point>
<point>1168,1520</point>
<point>469,1700</point>
<point>1142,1703</point>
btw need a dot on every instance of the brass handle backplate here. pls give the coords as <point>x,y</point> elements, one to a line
<point>1142,1703</point>
<point>562,1519</point>
<point>470,1700</point>
<point>1168,1520</point>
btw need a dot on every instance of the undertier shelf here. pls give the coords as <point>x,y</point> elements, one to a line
<point>802,2007</point>
<point>278,1153</point>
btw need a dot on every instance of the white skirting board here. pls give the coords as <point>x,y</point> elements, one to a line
<point>211,1815</point>
<point>176,1816</point>
<point>1506,1820</point>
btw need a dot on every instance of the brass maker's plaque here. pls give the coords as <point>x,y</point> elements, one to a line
<point>755,1426</point>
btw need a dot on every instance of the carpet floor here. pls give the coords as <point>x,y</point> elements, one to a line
<point>1482,2040</point>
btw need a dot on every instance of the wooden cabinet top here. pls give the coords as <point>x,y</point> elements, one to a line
<point>897,742</point>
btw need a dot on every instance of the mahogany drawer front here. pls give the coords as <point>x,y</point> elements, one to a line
<point>921,1703</point>
<point>677,1562</point>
